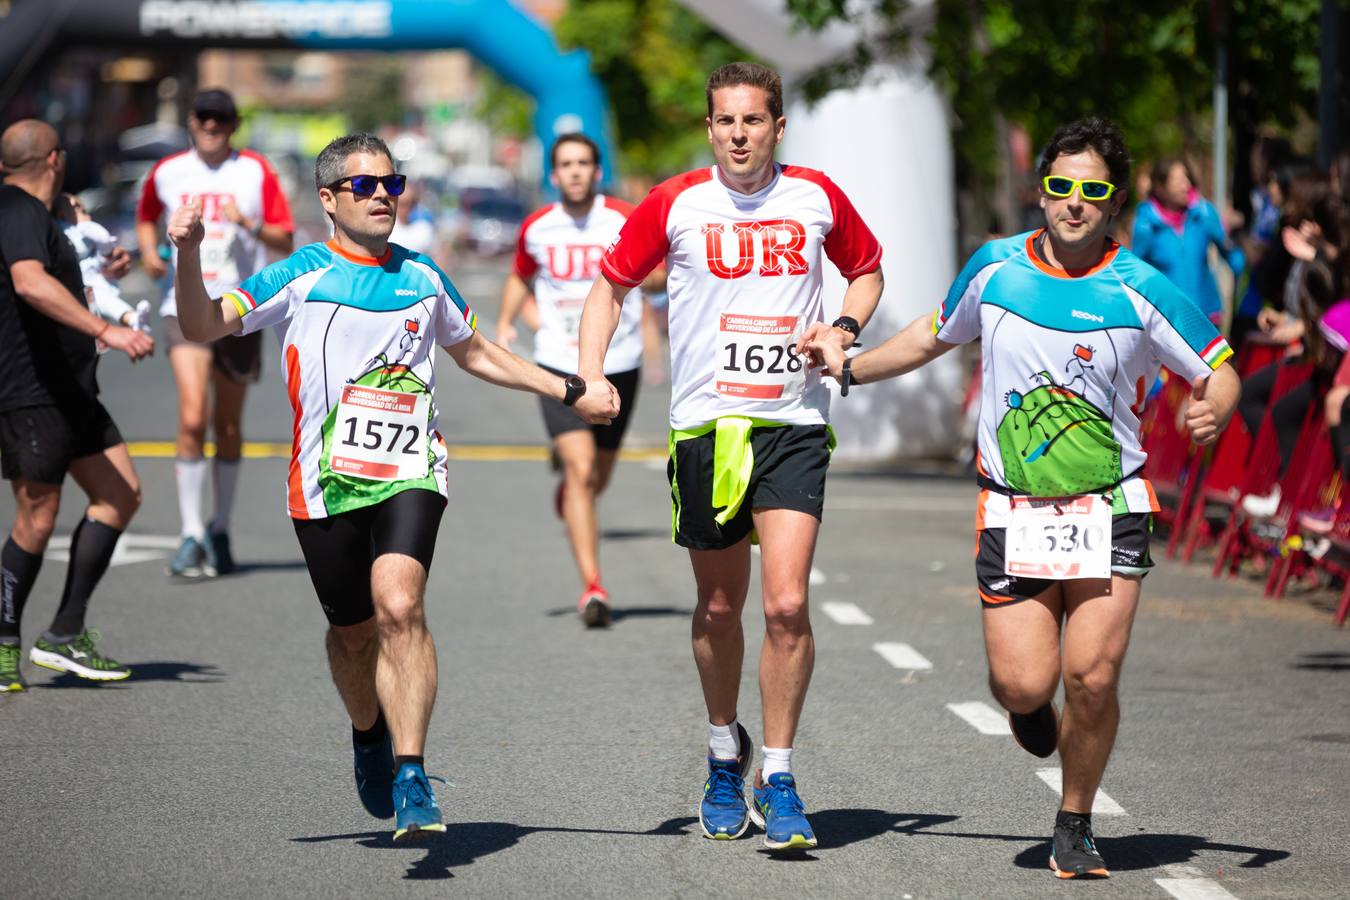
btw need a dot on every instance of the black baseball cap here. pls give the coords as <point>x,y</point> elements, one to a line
<point>214,103</point>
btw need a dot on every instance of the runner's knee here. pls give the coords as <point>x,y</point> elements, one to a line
<point>785,612</point>
<point>1021,692</point>
<point>399,611</point>
<point>716,612</point>
<point>1093,687</point>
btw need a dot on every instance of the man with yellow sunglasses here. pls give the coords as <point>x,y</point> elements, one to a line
<point>1074,327</point>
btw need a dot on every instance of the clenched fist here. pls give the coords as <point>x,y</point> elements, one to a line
<point>185,228</point>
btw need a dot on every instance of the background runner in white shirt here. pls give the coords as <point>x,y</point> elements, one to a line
<point>743,242</point>
<point>246,215</point>
<point>557,259</point>
<point>367,479</point>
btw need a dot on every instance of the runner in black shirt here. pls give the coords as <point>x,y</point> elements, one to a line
<point>51,421</point>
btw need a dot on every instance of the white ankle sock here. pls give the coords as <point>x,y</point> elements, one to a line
<point>225,474</point>
<point>722,741</point>
<point>777,759</point>
<point>191,477</point>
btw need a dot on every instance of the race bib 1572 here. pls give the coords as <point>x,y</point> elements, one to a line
<point>380,435</point>
<point>757,357</point>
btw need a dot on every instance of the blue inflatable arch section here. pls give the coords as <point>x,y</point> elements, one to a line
<point>522,51</point>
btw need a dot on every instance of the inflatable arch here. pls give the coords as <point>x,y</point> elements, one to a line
<point>515,46</point>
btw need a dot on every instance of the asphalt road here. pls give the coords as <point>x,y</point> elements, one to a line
<point>222,768</point>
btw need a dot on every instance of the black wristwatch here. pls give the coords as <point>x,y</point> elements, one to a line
<point>575,388</point>
<point>849,324</point>
<point>846,377</point>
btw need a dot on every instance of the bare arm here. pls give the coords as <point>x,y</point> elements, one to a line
<point>514,294</point>
<point>147,238</point>
<point>50,297</point>
<point>860,302</point>
<point>1213,399</point>
<point>905,351</point>
<point>599,319</point>
<point>200,317</point>
<point>494,364</point>
<point>274,237</point>
<point>277,239</point>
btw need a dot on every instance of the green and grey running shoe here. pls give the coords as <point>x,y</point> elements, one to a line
<point>79,658</point>
<point>11,679</point>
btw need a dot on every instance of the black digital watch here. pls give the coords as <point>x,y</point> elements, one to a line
<point>575,388</point>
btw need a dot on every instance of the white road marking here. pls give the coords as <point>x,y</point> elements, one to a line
<point>130,549</point>
<point>1101,804</point>
<point>846,613</point>
<point>1193,889</point>
<point>902,656</point>
<point>982,717</point>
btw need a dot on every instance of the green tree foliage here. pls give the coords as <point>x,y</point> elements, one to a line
<point>506,109</point>
<point>1148,64</point>
<point>653,57</point>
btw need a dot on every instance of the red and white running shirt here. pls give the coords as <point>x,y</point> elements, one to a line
<point>229,253</point>
<point>561,256</point>
<point>744,283</point>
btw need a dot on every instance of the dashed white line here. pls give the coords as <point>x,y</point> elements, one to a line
<point>902,656</point>
<point>1101,804</point>
<point>846,613</point>
<point>1193,889</point>
<point>982,717</point>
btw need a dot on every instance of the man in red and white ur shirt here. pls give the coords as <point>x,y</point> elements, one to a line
<point>246,216</point>
<point>743,244</point>
<point>557,260</point>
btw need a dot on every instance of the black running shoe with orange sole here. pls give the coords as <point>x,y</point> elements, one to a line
<point>1073,852</point>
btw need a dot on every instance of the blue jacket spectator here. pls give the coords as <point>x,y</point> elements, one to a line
<point>1173,230</point>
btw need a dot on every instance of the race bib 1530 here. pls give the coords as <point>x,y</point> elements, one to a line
<point>1059,538</point>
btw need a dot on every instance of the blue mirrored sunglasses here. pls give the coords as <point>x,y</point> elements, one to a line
<point>364,185</point>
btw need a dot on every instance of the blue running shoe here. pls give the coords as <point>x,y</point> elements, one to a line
<point>374,765</point>
<point>779,811</point>
<point>723,814</point>
<point>415,809</point>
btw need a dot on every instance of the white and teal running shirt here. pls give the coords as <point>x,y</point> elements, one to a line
<point>1067,364</point>
<point>358,338</point>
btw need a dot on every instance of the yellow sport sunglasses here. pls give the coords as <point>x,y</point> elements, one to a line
<point>1088,188</point>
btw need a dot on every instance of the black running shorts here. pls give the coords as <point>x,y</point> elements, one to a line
<point>38,443</point>
<point>341,550</point>
<point>237,357</point>
<point>1129,556</point>
<point>559,418</point>
<point>789,473</point>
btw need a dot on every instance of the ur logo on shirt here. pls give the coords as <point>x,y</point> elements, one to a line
<point>573,262</point>
<point>777,244</point>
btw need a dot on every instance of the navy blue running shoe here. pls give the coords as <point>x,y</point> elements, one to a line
<point>779,811</point>
<point>374,766</point>
<point>415,810</point>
